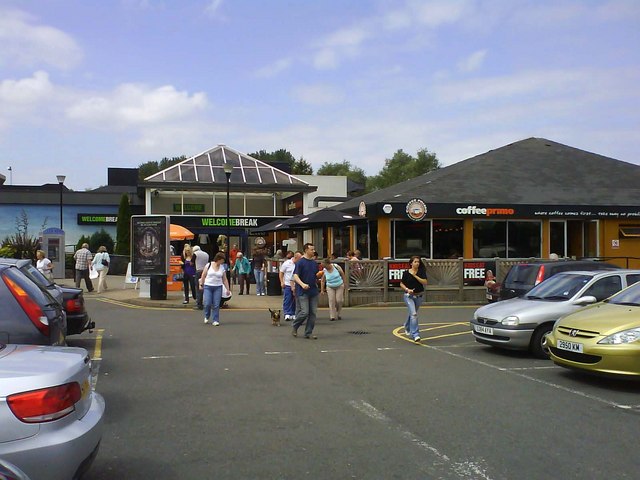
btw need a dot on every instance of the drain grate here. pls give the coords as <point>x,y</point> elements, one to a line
<point>359,332</point>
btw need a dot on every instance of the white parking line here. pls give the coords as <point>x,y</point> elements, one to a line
<point>466,469</point>
<point>533,379</point>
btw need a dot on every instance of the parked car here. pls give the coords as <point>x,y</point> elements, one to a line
<point>28,313</point>
<point>51,417</point>
<point>524,276</point>
<point>522,323</point>
<point>71,298</point>
<point>603,338</point>
<point>11,472</point>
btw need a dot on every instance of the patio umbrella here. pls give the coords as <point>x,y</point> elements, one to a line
<point>327,217</point>
<point>178,232</point>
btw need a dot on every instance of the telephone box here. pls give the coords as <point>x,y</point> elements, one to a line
<point>53,246</point>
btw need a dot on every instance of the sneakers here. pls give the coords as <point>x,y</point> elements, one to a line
<point>215,324</point>
<point>184,302</point>
<point>206,320</point>
<point>332,319</point>
<point>312,337</point>
<point>416,339</point>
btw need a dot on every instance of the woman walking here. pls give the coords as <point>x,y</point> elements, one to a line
<point>100,264</point>
<point>188,260</point>
<point>333,286</point>
<point>413,281</point>
<point>44,265</point>
<point>213,281</point>
<point>243,271</point>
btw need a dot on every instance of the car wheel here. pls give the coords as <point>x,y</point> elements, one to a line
<point>539,342</point>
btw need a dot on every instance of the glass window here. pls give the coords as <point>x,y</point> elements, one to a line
<point>631,278</point>
<point>411,238</point>
<point>557,241</point>
<point>604,287</point>
<point>524,239</point>
<point>340,245</point>
<point>362,239</point>
<point>447,238</point>
<point>489,238</point>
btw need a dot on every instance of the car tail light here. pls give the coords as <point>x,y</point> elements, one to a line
<point>46,404</point>
<point>540,276</point>
<point>73,305</point>
<point>29,305</point>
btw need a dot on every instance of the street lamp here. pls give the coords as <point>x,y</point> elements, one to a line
<point>60,182</point>
<point>228,168</point>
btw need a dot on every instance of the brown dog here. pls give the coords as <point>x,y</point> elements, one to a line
<point>275,317</point>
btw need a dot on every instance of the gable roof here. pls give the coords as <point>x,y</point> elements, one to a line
<point>534,171</point>
<point>206,171</point>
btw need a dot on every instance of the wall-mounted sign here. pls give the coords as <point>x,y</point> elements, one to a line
<point>387,208</point>
<point>615,243</point>
<point>416,209</point>
<point>362,209</point>
<point>97,219</point>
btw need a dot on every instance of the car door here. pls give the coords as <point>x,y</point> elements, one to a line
<point>604,287</point>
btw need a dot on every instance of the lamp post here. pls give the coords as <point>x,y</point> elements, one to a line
<point>61,179</point>
<point>228,168</point>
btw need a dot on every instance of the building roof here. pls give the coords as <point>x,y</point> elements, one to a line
<point>535,171</point>
<point>206,170</point>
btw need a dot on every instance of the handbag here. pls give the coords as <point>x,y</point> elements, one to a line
<point>105,263</point>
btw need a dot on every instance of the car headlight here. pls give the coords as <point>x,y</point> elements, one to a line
<point>511,321</point>
<point>626,336</point>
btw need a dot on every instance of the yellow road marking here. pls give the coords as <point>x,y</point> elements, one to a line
<point>439,325</point>
<point>97,350</point>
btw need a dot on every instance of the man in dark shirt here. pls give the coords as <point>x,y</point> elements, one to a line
<point>306,284</point>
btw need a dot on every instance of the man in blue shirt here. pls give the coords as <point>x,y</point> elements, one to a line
<point>306,282</point>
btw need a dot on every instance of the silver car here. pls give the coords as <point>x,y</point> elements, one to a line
<point>51,418</point>
<point>522,323</point>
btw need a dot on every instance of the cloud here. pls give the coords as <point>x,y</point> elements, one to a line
<point>28,44</point>
<point>318,94</point>
<point>212,9</point>
<point>134,104</point>
<point>270,71</point>
<point>472,62</point>
<point>26,91</point>
<point>343,43</point>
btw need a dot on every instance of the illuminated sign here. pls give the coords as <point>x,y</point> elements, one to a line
<point>97,219</point>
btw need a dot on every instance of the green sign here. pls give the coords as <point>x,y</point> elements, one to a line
<point>188,207</point>
<point>97,219</point>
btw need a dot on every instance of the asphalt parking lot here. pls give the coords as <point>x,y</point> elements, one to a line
<point>247,400</point>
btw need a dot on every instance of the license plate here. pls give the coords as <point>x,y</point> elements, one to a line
<point>483,329</point>
<point>570,346</point>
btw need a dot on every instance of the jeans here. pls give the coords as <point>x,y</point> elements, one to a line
<point>288,301</point>
<point>259,274</point>
<point>413,303</point>
<point>307,309</point>
<point>80,274</point>
<point>212,298</point>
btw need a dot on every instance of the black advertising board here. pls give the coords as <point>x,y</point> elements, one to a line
<point>474,272</point>
<point>149,245</point>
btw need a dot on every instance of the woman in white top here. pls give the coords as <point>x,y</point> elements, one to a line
<point>213,280</point>
<point>100,264</point>
<point>44,265</point>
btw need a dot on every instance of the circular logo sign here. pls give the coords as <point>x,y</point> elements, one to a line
<point>416,209</point>
<point>260,242</point>
<point>387,208</point>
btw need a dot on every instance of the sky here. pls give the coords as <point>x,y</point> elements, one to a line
<point>87,84</point>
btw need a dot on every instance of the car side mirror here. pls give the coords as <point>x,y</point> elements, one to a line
<point>586,300</point>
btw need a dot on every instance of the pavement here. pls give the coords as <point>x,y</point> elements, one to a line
<point>118,290</point>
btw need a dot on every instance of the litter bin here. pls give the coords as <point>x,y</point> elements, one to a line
<point>273,284</point>
<point>158,288</point>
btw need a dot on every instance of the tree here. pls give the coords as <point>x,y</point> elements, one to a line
<point>344,168</point>
<point>123,232</point>
<point>297,167</point>
<point>403,166</point>
<point>302,167</point>
<point>99,239</point>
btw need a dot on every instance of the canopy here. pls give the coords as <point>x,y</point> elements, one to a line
<point>327,217</point>
<point>178,232</point>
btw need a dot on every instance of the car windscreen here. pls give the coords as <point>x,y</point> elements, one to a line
<point>628,296</point>
<point>559,287</point>
<point>521,275</point>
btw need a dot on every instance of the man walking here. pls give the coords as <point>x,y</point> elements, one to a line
<point>202,258</point>
<point>306,285</point>
<point>83,259</point>
<point>286,278</point>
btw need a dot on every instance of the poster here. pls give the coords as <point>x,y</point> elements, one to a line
<point>149,245</point>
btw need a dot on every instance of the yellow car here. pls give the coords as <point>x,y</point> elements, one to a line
<point>602,338</point>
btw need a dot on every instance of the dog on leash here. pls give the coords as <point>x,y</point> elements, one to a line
<point>275,317</point>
